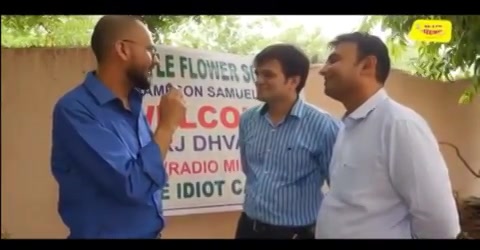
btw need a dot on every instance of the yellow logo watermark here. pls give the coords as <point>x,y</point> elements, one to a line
<point>439,31</point>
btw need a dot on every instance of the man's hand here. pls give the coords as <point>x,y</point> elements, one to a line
<point>171,111</point>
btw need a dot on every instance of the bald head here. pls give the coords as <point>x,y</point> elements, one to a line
<point>109,29</point>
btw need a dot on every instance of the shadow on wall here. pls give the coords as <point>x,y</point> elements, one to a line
<point>29,193</point>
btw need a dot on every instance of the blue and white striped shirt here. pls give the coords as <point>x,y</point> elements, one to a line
<point>286,165</point>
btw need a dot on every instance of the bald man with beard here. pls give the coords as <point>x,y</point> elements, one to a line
<point>106,160</point>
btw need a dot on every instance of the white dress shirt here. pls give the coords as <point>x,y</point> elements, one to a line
<point>388,178</point>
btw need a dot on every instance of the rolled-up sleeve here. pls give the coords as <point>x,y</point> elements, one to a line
<point>100,154</point>
<point>419,174</point>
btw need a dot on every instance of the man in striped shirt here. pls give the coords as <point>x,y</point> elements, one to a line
<point>285,148</point>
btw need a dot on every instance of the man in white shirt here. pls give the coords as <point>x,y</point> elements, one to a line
<point>388,178</point>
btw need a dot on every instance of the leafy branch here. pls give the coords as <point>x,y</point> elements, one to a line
<point>460,58</point>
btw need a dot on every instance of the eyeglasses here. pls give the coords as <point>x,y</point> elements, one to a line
<point>149,48</point>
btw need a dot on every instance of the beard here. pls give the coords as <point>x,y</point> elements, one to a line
<point>138,78</point>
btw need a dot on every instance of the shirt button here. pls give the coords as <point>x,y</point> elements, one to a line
<point>273,130</point>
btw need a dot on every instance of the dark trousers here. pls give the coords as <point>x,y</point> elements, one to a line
<point>248,228</point>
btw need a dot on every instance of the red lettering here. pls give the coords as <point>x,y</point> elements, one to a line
<point>149,114</point>
<point>202,119</point>
<point>207,116</point>
<point>431,32</point>
<point>228,116</point>
<point>194,167</point>
<point>224,114</point>
<point>186,124</point>
<point>231,166</point>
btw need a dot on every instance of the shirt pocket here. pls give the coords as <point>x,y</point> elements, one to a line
<point>350,179</point>
<point>297,159</point>
<point>296,154</point>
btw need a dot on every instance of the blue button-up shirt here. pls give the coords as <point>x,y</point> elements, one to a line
<point>286,164</point>
<point>108,167</point>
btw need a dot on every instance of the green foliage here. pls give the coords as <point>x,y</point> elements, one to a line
<point>46,31</point>
<point>161,25</point>
<point>458,58</point>
<point>71,31</point>
<point>215,33</point>
<point>230,34</point>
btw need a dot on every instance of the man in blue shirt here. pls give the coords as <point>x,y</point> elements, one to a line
<point>285,147</point>
<point>106,160</point>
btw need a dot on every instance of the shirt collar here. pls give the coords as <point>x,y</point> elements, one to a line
<point>296,110</point>
<point>367,107</point>
<point>101,92</point>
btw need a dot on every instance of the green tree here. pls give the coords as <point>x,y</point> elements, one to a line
<point>46,31</point>
<point>229,34</point>
<point>458,58</point>
<point>165,24</point>
<point>216,33</point>
<point>61,31</point>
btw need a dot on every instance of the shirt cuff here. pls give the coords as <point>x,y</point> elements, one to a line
<point>153,163</point>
